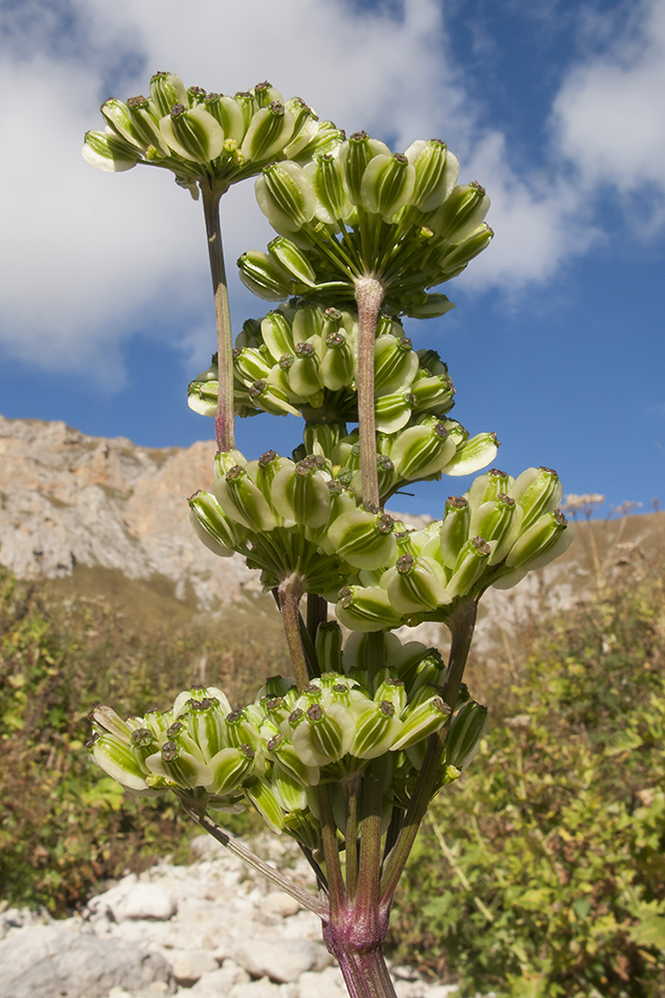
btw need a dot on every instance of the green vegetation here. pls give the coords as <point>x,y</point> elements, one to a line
<point>541,872</point>
<point>62,827</point>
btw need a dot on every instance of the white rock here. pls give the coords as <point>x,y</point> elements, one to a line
<point>279,903</point>
<point>283,960</point>
<point>256,989</point>
<point>328,984</point>
<point>146,901</point>
<point>190,965</point>
<point>219,982</point>
<point>48,961</point>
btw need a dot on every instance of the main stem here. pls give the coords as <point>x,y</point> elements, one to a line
<point>289,593</point>
<point>461,628</point>
<point>369,294</point>
<point>224,417</point>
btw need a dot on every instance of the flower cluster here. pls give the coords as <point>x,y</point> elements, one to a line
<point>500,530</point>
<point>273,752</point>
<point>291,518</point>
<point>358,209</point>
<point>302,359</point>
<point>207,137</point>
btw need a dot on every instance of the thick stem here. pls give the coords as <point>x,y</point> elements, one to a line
<point>317,613</point>
<point>289,593</point>
<point>351,836</point>
<point>461,628</point>
<point>234,846</point>
<point>369,873</point>
<point>365,973</point>
<point>224,418</point>
<point>369,295</point>
<point>331,852</point>
<point>461,632</point>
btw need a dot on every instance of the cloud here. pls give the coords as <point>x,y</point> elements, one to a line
<point>608,115</point>
<point>90,259</point>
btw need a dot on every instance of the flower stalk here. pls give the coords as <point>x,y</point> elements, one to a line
<point>224,416</point>
<point>369,293</point>
<point>235,847</point>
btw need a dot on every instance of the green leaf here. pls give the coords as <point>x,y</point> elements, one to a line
<point>650,931</point>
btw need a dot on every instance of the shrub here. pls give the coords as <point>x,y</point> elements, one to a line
<point>62,828</point>
<point>541,872</point>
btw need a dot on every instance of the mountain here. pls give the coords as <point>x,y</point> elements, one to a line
<point>81,508</point>
<point>68,500</point>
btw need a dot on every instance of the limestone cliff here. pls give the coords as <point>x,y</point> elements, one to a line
<point>67,498</point>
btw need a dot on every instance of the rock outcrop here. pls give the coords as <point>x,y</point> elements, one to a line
<point>67,498</point>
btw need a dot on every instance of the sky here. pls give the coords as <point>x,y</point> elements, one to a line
<point>558,109</point>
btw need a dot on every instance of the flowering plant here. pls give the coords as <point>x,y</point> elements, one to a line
<point>345,755</point>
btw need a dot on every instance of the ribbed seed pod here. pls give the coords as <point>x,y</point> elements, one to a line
<point>420,451</point>
<point>538,540</point>
<point>395,364</point>
<point>363,539</point>
<point>387,184</point>
<point>304,377</point>
<point>462,213</point>
<point>329,646</point>
<point>194,134</point>
<point>499,523</point>
<point>470,565</point>
<point>472,455</point>
<point>415,585</point>
<point>436,171</point>
<point>376,728</point>
<point>300,492</point>
<point>538,491</point>
<point>324,735</point>
<point>488,486</point>
<point>286,196</point>
<point>366,609</point>
<point>454,529</point>
<point>242,501</point>
<point>466,729</point>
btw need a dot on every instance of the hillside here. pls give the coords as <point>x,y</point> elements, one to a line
<point>101,515</point>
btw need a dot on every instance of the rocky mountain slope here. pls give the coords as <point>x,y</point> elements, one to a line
<point>69,500</point>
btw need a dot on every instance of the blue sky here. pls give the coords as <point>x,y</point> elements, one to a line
<point>559,111</point>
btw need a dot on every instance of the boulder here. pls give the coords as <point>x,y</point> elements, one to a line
<point>220,982</point>
<point>279,903</point>
<point>191,964</point>
<point>146,901</point>
<point>50,960</point>
<point>328,984</point>
<point>282,960</point>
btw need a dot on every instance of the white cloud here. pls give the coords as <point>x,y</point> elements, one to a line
<point>610,112</point>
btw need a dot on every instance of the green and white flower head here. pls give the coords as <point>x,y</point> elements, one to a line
<point>361,211</point>
<point>205,138</point>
